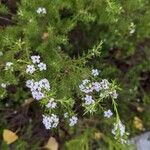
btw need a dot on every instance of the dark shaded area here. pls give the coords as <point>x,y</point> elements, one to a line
<point>6,20</point>
<point>28,115</point>
<point>145,81</point>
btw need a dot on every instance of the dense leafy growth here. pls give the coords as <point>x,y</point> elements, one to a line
<point>80,54</point>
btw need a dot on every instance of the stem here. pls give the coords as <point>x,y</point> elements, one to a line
<point>116,111</point>
<point>7,19</point>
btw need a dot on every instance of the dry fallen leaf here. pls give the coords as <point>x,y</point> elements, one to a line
<point>28,101</point>
<point>138,124</point>
<point>52,144</point>
<point>140,109</point>
<point>9,136</point>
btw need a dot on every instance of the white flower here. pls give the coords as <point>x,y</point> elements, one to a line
<point>73,120</point>
<point>9,66</point>
<point>86,86</point>
<point>42,66</point>
<point>37,95</point>
<point>35,59</point>
<point>97,86</point>
<point>108,113</point>
<point>3,85</point>
<point>95,72</point>
<point>30,83</point>
<point>114,94</point>
<point>50,121</point>
<point>41,10</point>
<point>44,83</point>
<point>118,127</point>
<point>1,53</point>
<point>30,69</point>
<point>36,86</point>
<point>85,81</point>
<point>51,103</point>
<point>89,100</point>
<point>105,84</point>
<point>132,28</point>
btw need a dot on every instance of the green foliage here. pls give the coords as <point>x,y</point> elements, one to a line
<point>72,38</point>
<point>3,9</point>
<point>80,142</point>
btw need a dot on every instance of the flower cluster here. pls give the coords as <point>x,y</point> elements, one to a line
<point>41,10</point>
<point>36,65</point>
<point>38,87</point>
<point>90,88</point>
<point>9,66</point>
<point>50,121</point>
<point>119,131</point>
<point>95,91</point>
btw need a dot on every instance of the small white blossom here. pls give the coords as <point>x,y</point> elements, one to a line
<point>97,86</point>
<point>89,100</point>
<point>36,86</point>
<point>50,121</point>
<point>44,83</point>
<point>37,95</point>
<point>73,120</point>
<point>85,81</point>
<point>51,103</point>
<point>42,66</point>
<point>30,83</point>
<point>35,59</point>
<point>3,85</point>
<point>105,84</point>
<point>86,86</point>
<point>95,72</point>
<point>30,69</point>
<point>8,66</point>
<point>41,10</point>
<point>118,127</point>
<point>132,28</point>
<point>108,113</point>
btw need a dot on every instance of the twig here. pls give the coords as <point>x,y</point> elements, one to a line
<point>7,19</point>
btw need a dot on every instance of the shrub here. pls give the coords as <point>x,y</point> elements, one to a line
<point>73,58</point>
